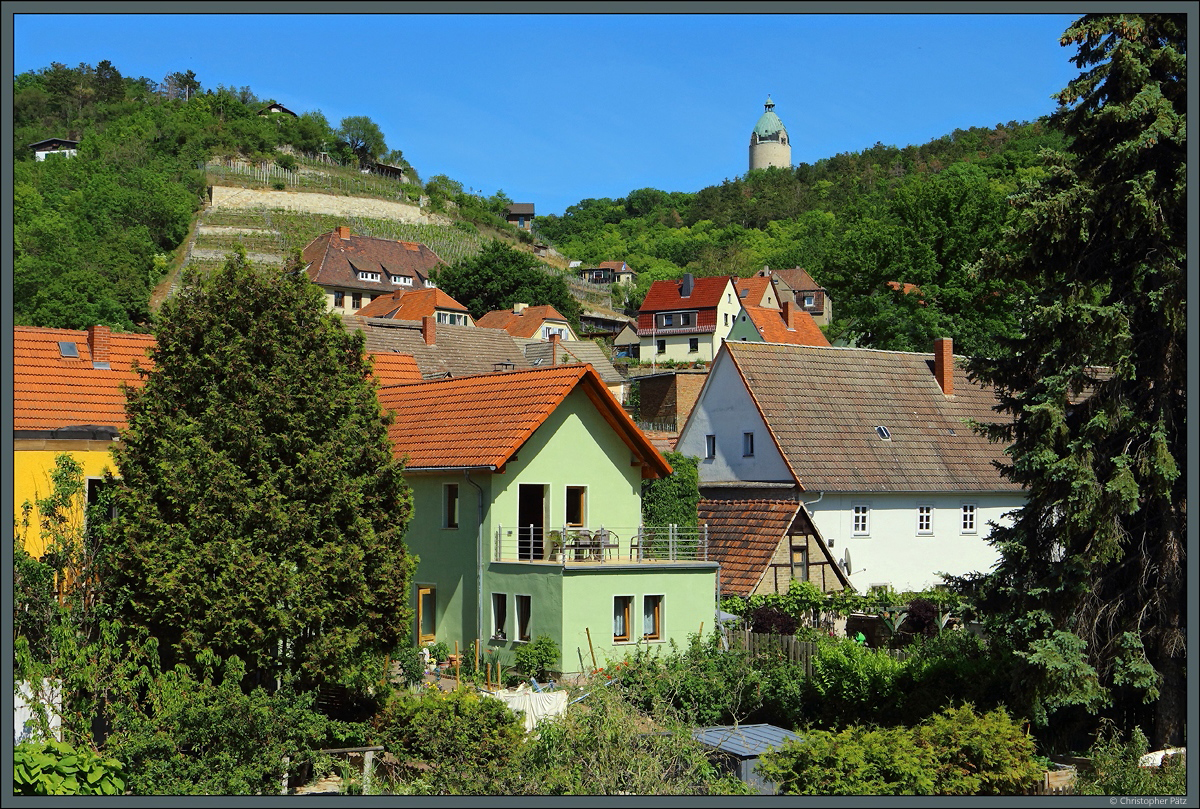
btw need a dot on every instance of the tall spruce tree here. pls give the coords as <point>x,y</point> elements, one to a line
<point>261,510</point>
<point>1091,582</point>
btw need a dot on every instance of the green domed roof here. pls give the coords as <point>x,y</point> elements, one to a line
<point>769,124</point>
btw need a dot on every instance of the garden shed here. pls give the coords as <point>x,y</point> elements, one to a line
<point>737,749</point>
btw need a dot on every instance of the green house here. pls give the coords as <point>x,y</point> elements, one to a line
<point>527,519</point>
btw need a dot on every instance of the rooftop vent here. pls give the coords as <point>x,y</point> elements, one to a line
<point>68,349</point>
<point>884,433</point>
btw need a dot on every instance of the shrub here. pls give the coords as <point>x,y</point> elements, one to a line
<point>279,185</point>
<point>408,659</point>
<point>467,740</point>
<point>440,651</point>
<point>772,620</point>
<point>538,658</point>
<point>286,161</point>
<point>1116,769</point>
<point>57,768</point>
<point>852,683</point>
<point>955,753</point>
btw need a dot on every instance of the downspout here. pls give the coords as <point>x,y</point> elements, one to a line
<point>478,567</point>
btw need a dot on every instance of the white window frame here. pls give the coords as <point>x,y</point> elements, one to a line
<point>924,520</point>
<point>523,633</point>
<point>499,616</point>
<point>402,280</point>
<point>363,275</point>
<point>628,637</point>
<point>969,518</point>
<point>860,520</point>
<point>659,634</point>
<point>810,300</point>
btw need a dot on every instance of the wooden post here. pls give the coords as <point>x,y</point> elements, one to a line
<point>477,645</point>
<point>368,763</point>
<point>590,647</point>
<point>284,790</point>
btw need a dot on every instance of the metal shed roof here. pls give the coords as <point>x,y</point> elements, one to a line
<point>743,741</point>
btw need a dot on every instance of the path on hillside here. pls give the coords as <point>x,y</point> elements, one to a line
<point>329,204</point>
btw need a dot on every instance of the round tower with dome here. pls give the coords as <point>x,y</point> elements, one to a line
<point>769,145</point>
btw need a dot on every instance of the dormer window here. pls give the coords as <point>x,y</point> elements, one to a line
<point>367,276</point>
<point>402,280</point>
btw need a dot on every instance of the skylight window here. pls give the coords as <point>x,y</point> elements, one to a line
<point>68,350</point>
<point>884,433</point>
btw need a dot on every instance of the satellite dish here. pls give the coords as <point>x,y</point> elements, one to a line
<point>846,562</point>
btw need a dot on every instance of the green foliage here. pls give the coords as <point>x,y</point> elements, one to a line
<point>499,277</point>
<point>957,752</point>
<point>468,741</point>
<point>363,137</point>
<point>1115,767</point>
<point>57,768</point>
<point>202,734</point>
<point>247,523</point>
<point>537,659</point>
<point>852,683</point>
<point>673,500</point>
<point>440,651</point>
<point>412,670</point>
<point>1095,384</point>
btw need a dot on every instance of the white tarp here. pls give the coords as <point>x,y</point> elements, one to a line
<point>537,705</point>
<point>24,722</point>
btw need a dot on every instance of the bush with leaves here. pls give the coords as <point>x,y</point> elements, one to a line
<point>852,683</point>
<point>1116,771</point>
<point>467,740</point>
<point>772,621</point>
<point>56,768</point>
<point>408,660</point>
<point>957,752</point>
<point>201,734</point>
<point>537,659</point>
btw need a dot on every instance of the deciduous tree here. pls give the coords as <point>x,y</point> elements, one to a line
<point>1092,572</point>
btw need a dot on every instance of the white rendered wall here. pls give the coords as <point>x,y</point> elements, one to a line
<point>894,553</point>
<point>725,410</point>
<point>769,153</point>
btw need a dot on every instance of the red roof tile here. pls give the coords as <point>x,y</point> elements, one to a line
<point>335,261</point>
<point>411,304</point>
<point>52,391</point>
<point>394,369</point>
<point>664,295</point>
<point>481,421</point>
<point>755,289</point>
<point>526,324</point>
<point>743,536</point>
<point>772,328</point>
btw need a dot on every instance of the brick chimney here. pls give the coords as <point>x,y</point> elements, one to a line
<point>429,329</point>
<point>554,348</point>
<point>789,315</point>
<point>98,339</point>
<point>943,364</point>
<point>343,232</point>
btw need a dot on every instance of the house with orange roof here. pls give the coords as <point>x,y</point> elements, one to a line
<point>527,519</point>
<point>768,325</point>
<point>418,304</point>
<point>523,320</point>
<point>69,398</point>
<point>686,320</point>
<point>799,287</point>
<point>354,270</point>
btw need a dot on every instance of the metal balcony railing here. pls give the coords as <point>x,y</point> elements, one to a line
<point>600,545</point>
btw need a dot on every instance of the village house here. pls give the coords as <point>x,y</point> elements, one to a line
<point>355,270</point>
<point>520,214</point>
<point>440,350</point>
<point>686,320</point>
<point>798,287</point>
<point>541,353</point>
<point>54,146</point>
<point>527,519</point>
<point>609,272</point>
<point>877,445</point>
<point>68,399</point>
<point>416,304</point>
<point>523,320</point>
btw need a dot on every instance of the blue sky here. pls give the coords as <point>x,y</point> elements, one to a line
<point>555,108</point>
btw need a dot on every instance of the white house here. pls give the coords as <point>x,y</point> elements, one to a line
<point>876,444</point>
<point>687,319</point>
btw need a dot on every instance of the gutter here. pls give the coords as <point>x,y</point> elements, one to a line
<point>478,563</point>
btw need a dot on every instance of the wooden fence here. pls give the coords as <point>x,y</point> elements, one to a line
<point>787,646</point>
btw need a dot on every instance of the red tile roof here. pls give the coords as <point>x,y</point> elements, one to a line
<point>743,536</point>
<point>771,327</point>
<point>756,289</point>
<point>334,259</point>
<point>481,421</point>
<point>411,304</point>
<point>52,391</point>
<point>526,324</point>
<point>664,295</point>
<point>394,369</point>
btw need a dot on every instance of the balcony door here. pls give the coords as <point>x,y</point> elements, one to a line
<point>531,520</point>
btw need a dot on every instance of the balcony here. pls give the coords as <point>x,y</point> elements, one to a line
<point>603,545</point>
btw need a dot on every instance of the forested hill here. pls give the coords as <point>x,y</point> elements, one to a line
<point>861,223</point>
<point>95,233</point>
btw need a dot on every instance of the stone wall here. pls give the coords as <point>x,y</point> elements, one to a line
<point>329,204</point>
